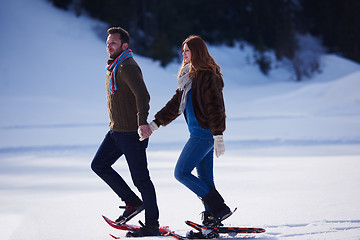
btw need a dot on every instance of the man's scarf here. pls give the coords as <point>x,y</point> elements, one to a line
<point>184,83</point>
<point>113,67</point>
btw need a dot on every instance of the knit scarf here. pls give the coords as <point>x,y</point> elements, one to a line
<point>184,83</point>
<point>113,67</point>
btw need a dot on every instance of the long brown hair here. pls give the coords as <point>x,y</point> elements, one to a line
<point>200,56</point>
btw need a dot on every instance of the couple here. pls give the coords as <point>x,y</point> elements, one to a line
<point>199,97</point>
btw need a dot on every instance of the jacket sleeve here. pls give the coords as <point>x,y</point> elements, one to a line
<point>170,111</point>
<point>214,104</point>
<point>133,77</point>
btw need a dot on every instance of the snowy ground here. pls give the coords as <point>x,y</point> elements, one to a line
<point>293,149</point>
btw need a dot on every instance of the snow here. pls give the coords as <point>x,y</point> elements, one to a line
<point>291,163</point>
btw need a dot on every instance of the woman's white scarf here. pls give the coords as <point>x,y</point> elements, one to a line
<point>184,83</point>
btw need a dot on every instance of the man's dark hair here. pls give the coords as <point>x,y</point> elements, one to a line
<point>124,35</point>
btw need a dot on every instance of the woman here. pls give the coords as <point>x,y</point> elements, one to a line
<point>200,98</point>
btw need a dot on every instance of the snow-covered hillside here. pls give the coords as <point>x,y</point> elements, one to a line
<point>293,148</point>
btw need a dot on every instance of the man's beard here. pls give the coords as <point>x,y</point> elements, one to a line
<point>116,54</point>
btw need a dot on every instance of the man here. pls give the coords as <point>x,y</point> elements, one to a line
<point>128,107</point>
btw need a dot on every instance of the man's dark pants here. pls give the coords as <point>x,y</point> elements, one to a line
<point>111,149</point>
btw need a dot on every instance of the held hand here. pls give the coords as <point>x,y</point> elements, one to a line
<point>219,145</point>
<point>144,132</point>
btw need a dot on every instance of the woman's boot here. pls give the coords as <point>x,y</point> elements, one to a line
<point>216,206</point>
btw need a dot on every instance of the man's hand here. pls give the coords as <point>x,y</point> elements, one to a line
<point>144,132</point>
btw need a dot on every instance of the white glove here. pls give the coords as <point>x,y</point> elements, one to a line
<point>140,135</point>
<point>153,126</point>
<point>219,145</point>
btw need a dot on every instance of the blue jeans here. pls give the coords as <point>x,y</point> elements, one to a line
<point>197,153</point>
<point>111,149</point>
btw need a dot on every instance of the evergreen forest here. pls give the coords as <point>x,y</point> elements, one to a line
<point>287,28</point>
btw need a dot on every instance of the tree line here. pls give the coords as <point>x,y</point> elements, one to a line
<point>158,27</point>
